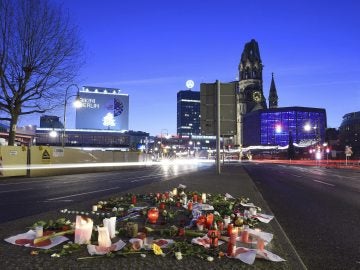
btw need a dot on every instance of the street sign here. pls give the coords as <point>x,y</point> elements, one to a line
<point>228,109</point>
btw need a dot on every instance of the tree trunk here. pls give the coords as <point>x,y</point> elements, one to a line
<point>12,130</point>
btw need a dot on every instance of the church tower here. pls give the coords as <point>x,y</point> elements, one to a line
<point>250,78</point>
<point>273,97</point>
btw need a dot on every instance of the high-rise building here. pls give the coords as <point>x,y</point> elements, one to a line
<point>188,113</point>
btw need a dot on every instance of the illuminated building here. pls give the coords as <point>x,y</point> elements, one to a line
<point>102,108</point>
<point>188,113</point>
<point>272,126</point>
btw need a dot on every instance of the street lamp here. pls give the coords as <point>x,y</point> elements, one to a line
<point>77,104</point>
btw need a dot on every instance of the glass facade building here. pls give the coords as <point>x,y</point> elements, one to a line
<point>188,113</point>
<point>273,126</point>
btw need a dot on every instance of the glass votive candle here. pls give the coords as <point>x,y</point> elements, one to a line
<point>39,231</point>
<point>153,215</point>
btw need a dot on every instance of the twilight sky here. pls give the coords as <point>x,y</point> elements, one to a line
<point>148,49</point>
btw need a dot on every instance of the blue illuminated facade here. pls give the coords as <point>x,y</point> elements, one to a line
<point>273,126</point>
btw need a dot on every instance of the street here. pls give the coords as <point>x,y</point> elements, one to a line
<point>21,197</point>
<point>318,208</point>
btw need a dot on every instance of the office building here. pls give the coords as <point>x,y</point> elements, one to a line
<point>188,113</point>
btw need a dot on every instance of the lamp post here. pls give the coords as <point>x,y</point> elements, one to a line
<point>77,104</point>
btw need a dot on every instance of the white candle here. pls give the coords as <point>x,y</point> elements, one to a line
<point>252,211</point>
<point>203,197</point>
<point>226,221</point>
<point>39,231</point>
<point>103,237</point>
<point>83,230</point>
<point>174,192</point>
<point>94,208</point>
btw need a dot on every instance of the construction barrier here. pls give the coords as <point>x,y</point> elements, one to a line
<point>13,161</point>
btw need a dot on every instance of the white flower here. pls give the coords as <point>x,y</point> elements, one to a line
<point>210,259</point>
<point>55,255</point>
<point>178,255</point>
<point>114,209</point>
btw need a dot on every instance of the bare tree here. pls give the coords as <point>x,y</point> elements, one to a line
<point>39,54</point>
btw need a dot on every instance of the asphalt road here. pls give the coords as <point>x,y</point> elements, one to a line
<point>318,208</point>
<point>21,197</point>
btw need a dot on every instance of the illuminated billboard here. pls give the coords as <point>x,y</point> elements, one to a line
<point>102,108</point>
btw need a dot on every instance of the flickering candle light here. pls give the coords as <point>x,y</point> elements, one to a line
<point>153,215</point>
<point>203,197</point>
<point>83,230</point>
<point>233,235</point>
<point>209,220</point>
<point>94,208</point>
<point>174,191</point>
<point>103,237</point>
<point>133,199</point>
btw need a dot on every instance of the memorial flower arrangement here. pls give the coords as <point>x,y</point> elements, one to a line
<point>176,223</point>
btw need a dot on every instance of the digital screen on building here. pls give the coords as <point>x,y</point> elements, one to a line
<point>102,109</point>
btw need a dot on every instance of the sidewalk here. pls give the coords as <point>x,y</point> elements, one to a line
<point>233,180</point>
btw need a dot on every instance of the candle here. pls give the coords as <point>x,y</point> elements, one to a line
<point>214,238</point>
<point>133,199</point>
<point>229,229</point>
<point>167,195</point>
<point>103,237</point>
<point>200,226</point>
<point>110,223</point>
<point>174,191</point>
<point>209,220</point>
<point>233,235</point>
<point>132,229</point>
<point>83,230</point>
<point>39,231</point>
<point>203,197</point>
<point>153,215</point>
<point>220,225</point>
<point>94,208</point>
<point>230,248</point>
<point>245,236</point>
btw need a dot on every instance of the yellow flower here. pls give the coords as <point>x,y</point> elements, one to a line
<point>157,249</point>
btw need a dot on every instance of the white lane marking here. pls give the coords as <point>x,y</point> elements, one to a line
<point>79,194</point>
<point>15,190</point>
<point>321,182</point>
<point>296,175</point>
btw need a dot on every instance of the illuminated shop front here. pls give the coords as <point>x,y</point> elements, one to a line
<point>273,126</point>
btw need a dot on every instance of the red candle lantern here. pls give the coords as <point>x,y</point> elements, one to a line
<point>220,225</point>
<point>230,249</point>
<point>229,229</point>
<point>153,215</point>
<point>245,236</point>
<point>214,238</point>
<point>133,199</point>
<point>233,235</point>
<point>158,196</point>
<point>209,220</point>
<point>167,196</point>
